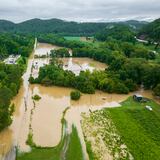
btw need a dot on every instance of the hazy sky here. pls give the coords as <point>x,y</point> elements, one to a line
<point>80,10</point>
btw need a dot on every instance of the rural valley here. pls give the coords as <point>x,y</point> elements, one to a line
<point>79,91</point>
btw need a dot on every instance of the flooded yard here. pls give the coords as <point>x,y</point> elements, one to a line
<point>82,64</point>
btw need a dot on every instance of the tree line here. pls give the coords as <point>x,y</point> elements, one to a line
<point>10,81</point>
<point>10,75</point>
<point>15,44</point>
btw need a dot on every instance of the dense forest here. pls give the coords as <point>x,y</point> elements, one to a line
<point>151,31</point>
<point>15,44</point>
<point>118,32</point>
<point>10,75</point>
<point>58,26</point>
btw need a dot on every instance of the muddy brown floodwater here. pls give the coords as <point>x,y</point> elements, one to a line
<point>45,119</point>
<point>44,49</point>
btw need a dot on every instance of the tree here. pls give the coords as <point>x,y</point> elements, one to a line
<point>75,95</point>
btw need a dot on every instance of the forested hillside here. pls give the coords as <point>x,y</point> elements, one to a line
<point>118,32</point>
<point>151,31</point>
<point>6,26</point>
<point>61,27</point>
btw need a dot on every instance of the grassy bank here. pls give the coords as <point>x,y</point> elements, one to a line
<point>138,129</point>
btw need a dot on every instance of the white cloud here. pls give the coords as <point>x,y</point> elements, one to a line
<point>79,10</point>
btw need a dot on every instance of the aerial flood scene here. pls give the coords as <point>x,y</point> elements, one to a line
<point>79,87</point>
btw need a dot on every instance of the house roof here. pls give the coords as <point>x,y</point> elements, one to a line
<point>138,95</point>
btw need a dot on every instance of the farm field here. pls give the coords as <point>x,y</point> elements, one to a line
<point>137,127</point>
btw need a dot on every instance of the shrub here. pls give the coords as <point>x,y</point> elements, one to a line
<point>36,97</point>
<point>29,140</point>
<point>75,95</point>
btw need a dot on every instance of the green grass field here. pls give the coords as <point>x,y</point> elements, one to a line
<point>74,148</point>
<point>139,128</point>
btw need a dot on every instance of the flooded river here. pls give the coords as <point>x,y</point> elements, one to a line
<point>45,119</point>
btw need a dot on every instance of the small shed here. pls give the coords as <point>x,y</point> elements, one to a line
<point>137,97</point>
<point>140,98</point>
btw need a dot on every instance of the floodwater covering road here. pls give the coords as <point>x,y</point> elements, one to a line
<point>45,116</point>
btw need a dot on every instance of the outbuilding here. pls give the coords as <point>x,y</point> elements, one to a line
<point>140,98</point>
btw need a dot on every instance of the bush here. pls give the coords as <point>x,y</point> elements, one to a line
<point>29,140</point>
<point>75,95</point>
<point>36,97</point>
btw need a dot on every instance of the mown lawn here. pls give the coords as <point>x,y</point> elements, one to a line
<point>74,150</point>
<point>139,128</point>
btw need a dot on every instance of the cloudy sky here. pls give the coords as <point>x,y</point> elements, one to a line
<point>80,10</point>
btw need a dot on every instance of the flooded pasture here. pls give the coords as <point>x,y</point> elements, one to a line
<point>44,49</point>
<point>45,116</point>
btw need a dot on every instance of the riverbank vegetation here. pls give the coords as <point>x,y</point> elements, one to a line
<point>10,81</point>
<point>136,130</point>
<point>62,52</point>
<point>85,82</point>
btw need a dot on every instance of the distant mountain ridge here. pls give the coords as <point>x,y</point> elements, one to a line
<point>62,27</point>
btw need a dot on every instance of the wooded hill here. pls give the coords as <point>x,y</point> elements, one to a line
<point>61,27</point>
<point>151,31</point>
